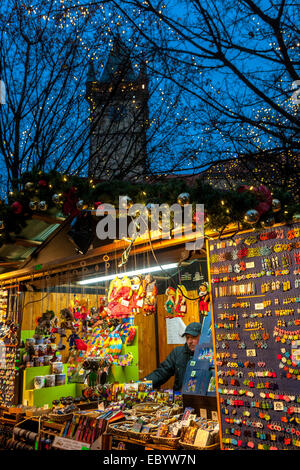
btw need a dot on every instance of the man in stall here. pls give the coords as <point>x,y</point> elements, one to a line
<point>176,362</point>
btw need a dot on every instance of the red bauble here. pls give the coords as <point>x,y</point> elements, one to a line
<point>17,207</point>
<point>42,183</point>
<point>98,204</point>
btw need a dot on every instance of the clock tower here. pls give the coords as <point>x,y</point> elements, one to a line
<point>118,118</point>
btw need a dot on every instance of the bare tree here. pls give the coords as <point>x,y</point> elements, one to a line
<point>45,49</point>
<point>238,63</point>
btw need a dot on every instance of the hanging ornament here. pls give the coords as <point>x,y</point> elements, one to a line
<point>126,202</point>
<point>42,206</point>
<point>150,209</point>
<point>251,216</point>
<point>29,186</point>
<point>42,183</point>
<point>199,217</point>
<point>263,195</point>
<point>183,199</point>
<point>98,204</point>
<point>33,205</point>
<point>296,218</point>
<point>56,198</point>
<point>276,205</point>
<point>269,222</point>
<point>80,204</point>
<point>17,207</point>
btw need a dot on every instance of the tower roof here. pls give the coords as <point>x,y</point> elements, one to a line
<point>118,65</point>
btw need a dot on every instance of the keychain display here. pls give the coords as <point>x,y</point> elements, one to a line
<point>9,341</point>
<point>257,337</point>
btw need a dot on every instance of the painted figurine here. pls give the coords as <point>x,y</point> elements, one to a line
<point>204,299</point>
<point>150,295</point>
<point>170,302</point>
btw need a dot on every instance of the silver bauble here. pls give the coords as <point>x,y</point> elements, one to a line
<point>80,204</point>
<point>33,205</point>
<point>276,205</point>
<point>183,199</point>
<point>42,206</point>
<point>56,198</point>
<point>29,186</point>
<point>269,222</point>
<point>251,216</point>
<point>126,202</point>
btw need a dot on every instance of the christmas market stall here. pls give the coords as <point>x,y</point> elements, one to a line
<point>85,319</point>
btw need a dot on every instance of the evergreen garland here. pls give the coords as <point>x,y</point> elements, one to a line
<point>56,194</point>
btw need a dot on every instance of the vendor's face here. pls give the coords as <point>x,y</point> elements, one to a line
<point>192,341</point>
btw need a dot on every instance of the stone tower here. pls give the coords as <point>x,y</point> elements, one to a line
<point>118,118</point>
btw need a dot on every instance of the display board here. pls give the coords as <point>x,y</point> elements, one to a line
<point>256,315</point>
<point>9,341</point>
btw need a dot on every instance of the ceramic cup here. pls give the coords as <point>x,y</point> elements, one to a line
<point>50,380</point>
<point>39,382</point>
<point>57,367</point>
<point>47,360</point>
<point>60,379</point>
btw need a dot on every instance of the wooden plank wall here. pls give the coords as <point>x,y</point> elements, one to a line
<point>35,303</point>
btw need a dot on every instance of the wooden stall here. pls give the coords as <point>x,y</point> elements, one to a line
<point>49,281</point>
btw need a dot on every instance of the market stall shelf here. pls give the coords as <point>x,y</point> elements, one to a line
<point>45,396</point>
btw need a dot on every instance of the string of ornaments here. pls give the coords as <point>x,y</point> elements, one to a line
<point>70,196</point>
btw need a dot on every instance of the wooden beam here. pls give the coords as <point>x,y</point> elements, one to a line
<point>27,243</point>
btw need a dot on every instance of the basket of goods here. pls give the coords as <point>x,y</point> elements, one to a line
<point>146,408</point>
<point>63,410</point>
<point>167,435</point>
<point>175,410</point>
<point>140,431</point>
<point>200,435</point>
<point>60,418</point>
<point>118,429</point>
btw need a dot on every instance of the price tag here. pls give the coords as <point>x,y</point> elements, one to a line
<point>278,406</point>
<point>259,306</point>
<point>193,373</point>
<point>214,416</point>
<point>250,265</point>
<point>203,413</point>
<point>250,352</point>
<point>69,444</point>
<point>193,363</point>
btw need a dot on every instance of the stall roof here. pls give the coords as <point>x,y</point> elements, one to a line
<point>24,244</point>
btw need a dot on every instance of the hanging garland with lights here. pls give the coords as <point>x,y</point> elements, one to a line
<point>52,192</point>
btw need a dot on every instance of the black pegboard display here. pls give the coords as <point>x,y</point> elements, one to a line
<point>255,280</point>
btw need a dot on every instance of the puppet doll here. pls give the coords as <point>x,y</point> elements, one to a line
<point>170,302</point>
<point>123,307</point>
<point>150,295</point>
<point>180,301</point>
<point>113,294</point>
<point>138,294</point>
<point>204,299</point>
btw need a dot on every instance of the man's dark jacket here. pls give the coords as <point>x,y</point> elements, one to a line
<point>174,364</point>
